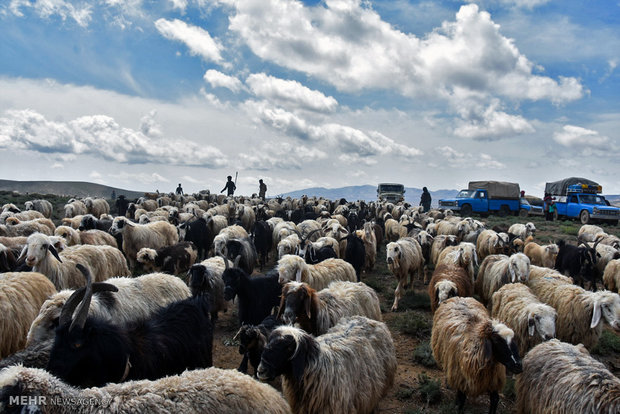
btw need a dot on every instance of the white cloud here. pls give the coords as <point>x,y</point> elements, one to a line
<point>48,8</point>
<point>526,4</point>
<point>290,93</point>
<point>490,123</point>
<point>281,155</point>
<point>574,136</point>
<point>218,79</point>
<point>149,126</point>
<point>181,5</point>
<point>198,40</point>
<point>452,158</point>
<point>101,136</point>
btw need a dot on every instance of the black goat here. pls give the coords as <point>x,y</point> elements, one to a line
<point>578,262</point>
<point>90,352</point>
<point>317,256</point>
<point>8,259</point>
<point>262,237</point>
<point>252,341</point>
<point>355,253</point>
<point>90,222</point>
<point>173,259</point>
<point>199,233</point>
<point>257,295</point>
<point>246,250</point>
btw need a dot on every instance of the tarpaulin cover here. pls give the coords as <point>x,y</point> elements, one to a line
<point>497,189</point>
<point>559,187</point>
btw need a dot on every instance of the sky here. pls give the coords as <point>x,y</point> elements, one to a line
<point>144,95</point>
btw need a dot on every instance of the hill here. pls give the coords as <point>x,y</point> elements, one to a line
<point>66,188</point>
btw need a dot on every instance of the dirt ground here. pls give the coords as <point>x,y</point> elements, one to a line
<point>405,396</point>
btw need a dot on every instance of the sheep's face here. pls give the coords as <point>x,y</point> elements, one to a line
<point>118,226</point>
<point>276,357</point>
<point>393,255</point>
<point>296,300</point>
<point>231,279</point>
<point>519,267</point>
<point>542,321</point>
<point>44,325</point>
<point>504,348</point>
<point>36,251</point>
<point>289,269</point>
<point>69,211</point>
<point>609,304</point>
<point>249,338</point>
<point>445,290</point>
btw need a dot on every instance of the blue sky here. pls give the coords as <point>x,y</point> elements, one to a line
<point>146,94</point>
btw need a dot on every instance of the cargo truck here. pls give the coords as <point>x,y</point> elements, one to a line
<point>489,197</point>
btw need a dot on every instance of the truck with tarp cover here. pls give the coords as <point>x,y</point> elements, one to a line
<point>488,197</point>
<point>391,192</point>
<point>580,198</point>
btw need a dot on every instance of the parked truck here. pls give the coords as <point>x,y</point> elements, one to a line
<point>489,197</point>
<point>579,198</point>
<point>391,192</point>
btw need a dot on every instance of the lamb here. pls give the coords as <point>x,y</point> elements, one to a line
<point>532,321</point>
<point>563,378</point>
<point>611,277</point>
<point>96,206</point>
<point>404,258</point>
<point>211,390</point>
<point>496,270</point>
<point>42,206</point>
<point>174,260</point>
<point>21,295</point>
<point>322,375</point>
<point>448,280</point>
<point>174,338</point>
<point>94,237</point>
<point>522,231</point>
<point>318,276</point>
<point>103,261</point>
<point>541,255</point>
<point>316,312</point>
<point>75,208</point>
<point>136,236</point>
<point>579,311</point>
<point>473,349</point>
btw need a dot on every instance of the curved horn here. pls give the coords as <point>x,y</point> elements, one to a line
<point>54,252</point>
<point>237,260</point>
<point>82,311</point>
<point>225,260</point>
<point>310,234</point>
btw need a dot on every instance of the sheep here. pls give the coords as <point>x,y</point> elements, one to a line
<point>103,261</point>
<point>199,233</point>
<point>35,356</point>
<point>531,320</point>
<point>589,233</point>
<point>73,222</point>
<point>174,260</point>
<point>209,273</point>
<point>75,208</point>
<point>10,207</point>
<point>448,280</point>
<point>473,349</point>
<point>578,262</point>
<point>318,276</point>
<point>136,236</point>
<point>227,233</point>
<point>491,242</point>
<point>323,375</point>
<point>211,390</point>
<point>94,237</point>
<point>367,234</point>
<point>611,277</point>
<point>21,296</point>
<point>604,254</point>
<point>541,255</point>
<point>246,217</point>
<point>252,341</point>
<point>394,230</point>
<point>463,255</point>
<point>522,231</point>
<point>90,222</point>
<point>24,215</point>
<point>321,243</point>
<point>8,259</point>
<point>609,240</point>
<point>96,206</point>
<point>404,258</point>
<point>137,298</point>
<point>579,311</point>
<point>496,270</point>
<point>262,239</point>
<point>288,245</point>
<point>42,206</point>
<point>14,227</point>
<point>316,312</point>
<point>439,243</point>
<point>176,337</point>
<point>562,378</point>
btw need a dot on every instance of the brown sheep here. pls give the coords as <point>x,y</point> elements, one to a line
<point>448,281</point>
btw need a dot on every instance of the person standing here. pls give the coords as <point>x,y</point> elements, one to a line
<point>425,200</point>
<point>549,207</point>
<point>179,190</point>
<point>262,189</point>
<point>230,186</point>
<point>121,205</point>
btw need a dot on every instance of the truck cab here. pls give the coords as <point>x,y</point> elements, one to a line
<point>391,192</point>
<point>487,197</point>
<point>584,202</point>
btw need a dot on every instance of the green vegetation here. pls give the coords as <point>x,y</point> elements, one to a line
<point>608,344</point>
<point>423,355</point>
<point>429,389</point>
<point>413,323</point>
<point>509,389</point>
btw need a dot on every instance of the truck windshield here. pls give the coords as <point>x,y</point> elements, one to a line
<point>391,188</point>
<point>592,199</point>
<point>466,194</point>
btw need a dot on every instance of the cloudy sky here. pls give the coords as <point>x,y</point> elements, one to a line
<point>146,94</point>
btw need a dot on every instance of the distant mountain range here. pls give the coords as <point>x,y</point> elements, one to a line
<point>68,188</point>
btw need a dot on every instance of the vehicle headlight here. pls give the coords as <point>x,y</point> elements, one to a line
<point>595,210</point>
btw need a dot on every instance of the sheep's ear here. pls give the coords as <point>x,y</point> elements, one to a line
<point>298,275</point>
<point>531,326</point>
<point>298,361</point>
<point>22,255</point>
<point>488,349</point>
<point>308,306</point>
<point>437,295</point>
<point>596,314</point>
<point>54,252</point>
<point>513,275</point>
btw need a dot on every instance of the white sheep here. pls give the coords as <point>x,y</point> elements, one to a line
<point>611,277</point>
<point>288,245</point>
<point>42,206</point>
<point>589,233</point>
<point>136,236</point>
<point>24,215</point>
<point>439,243</point>
<point>96,206</point>
<point>490,242</point>
<point>404,259</point>
<point>75,208</point>
<point>532,321</point>
<point>323,375</point>
<point>211,390</point>
<point>319,276</point>
<point>15,227</point>
<point>496,270</point>
<point>316,312</point>
<point>463,255</point>
<point>95,237</point>
<point>522,231</point>
<point>228,233</point>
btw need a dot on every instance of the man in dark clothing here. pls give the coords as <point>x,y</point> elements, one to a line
<point>549,207</point>
<point>179,190</point>
<point>262,189</point>
<point>121,205</point>
<point>230,186</point>
<point>425,200</point>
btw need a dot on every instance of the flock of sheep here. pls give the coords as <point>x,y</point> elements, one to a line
<point>81,321</point>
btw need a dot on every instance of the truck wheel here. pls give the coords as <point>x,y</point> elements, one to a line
<point>584,216</point>
<point>466,210</point>
<point>503,211</point>
<point>523,213</point>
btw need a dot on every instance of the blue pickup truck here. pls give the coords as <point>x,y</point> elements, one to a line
<point>581,200</point>
<point>489,197</point>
